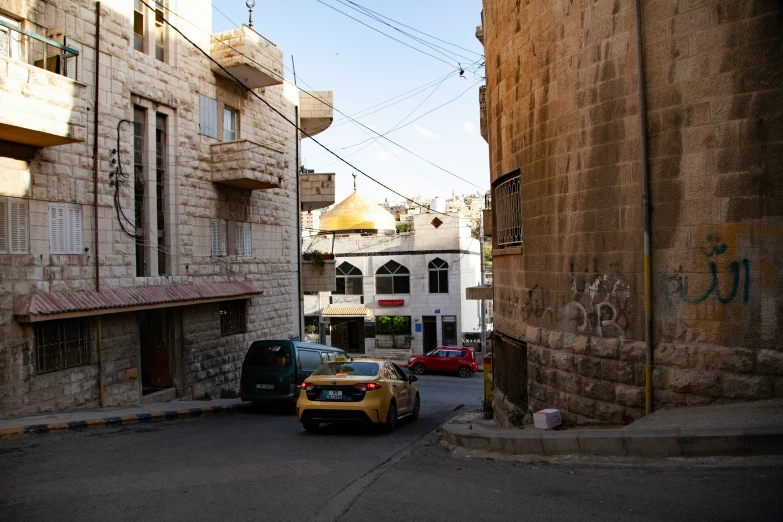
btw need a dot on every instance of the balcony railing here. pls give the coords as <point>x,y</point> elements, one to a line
<point>315,111</point>
<point>316,190</point>
<point>41,105</point>
<point>248,165</point>
<point>248,56</point>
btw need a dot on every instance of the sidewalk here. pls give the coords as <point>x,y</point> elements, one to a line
<point>98,417</point>
<point>738,429</point>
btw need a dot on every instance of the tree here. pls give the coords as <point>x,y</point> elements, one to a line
<point>393,326</point>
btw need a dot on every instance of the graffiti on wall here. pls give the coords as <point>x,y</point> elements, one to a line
<point>737,276</point>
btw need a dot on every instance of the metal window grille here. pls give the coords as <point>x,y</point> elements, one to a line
<point>507,201</point>
<point>138,186</point>
<point>160,188</point>
<point>232,317</point>
<point>60,345</point>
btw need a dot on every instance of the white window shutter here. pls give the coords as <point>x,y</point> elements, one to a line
<point>3,225</point>
<point>74,236</point>
<point>73,65</point>
<point>19,232</point>
<point>57,240</point>
<point>208,116</point>
<point>248,240</point>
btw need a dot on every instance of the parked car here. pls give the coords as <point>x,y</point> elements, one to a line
<point>456,359</point>
<point>366,391</point>
<point>273,370</point>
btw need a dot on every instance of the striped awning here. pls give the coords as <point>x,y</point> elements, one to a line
<point>45,306</point>
<point>337,311</point>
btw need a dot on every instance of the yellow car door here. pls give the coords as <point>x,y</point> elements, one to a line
<point>398,388</point>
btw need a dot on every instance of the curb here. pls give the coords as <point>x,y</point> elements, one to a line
<point>679,442</point>
<point>137,418</point>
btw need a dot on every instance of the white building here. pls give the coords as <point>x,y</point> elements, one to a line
<point>418,277</point>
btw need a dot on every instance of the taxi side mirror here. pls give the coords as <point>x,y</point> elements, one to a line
<point>412,378</point>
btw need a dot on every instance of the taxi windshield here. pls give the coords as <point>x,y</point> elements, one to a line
<point>356,369</point>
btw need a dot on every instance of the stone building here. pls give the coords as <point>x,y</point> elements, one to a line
<point>567,158</point>
<point>377,277</point>
<point>143,275</point>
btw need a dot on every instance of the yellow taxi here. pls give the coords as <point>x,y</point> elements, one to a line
<point>367,391</point>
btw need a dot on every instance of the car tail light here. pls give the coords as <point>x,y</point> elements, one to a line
<point>368,386</point>
<point>307,386</point>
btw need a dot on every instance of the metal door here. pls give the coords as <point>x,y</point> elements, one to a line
<point>430,333</point>
<point>160,357</point>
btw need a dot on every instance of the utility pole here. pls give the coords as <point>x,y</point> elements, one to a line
<point>483,283</point>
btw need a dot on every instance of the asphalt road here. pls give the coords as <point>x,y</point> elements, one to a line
<point>261,465</point>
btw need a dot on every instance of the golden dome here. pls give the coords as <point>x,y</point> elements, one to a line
<point>357,213</point>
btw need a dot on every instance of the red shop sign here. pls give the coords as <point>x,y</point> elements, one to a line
<point>391,302</point>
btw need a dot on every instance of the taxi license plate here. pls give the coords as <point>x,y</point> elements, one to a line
<point>334,395</point>
<point>265,386</point>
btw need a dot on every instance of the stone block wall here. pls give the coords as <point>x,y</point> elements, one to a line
<point>562,107</point>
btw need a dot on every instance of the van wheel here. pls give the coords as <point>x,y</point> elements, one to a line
<point>391,419</point>
<point>465,372</point>
<point>419,369</point>
<point>311,426</point>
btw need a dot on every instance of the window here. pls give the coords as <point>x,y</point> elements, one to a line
<point>507,200</point>
<point>349,280</point>
<point>309,360</point>
<point>392,278</point>
<point>230,118</point>
<point>138,25</point>
<point>139,124</point>
<point>14,226</point>
<point>65,229</point>
<point>160,188</point>
<point>244,240</point>
<point>393,324</point>
<point>160,35</point>
<point>60,345</point>
<point>311,324</point>
<point>232,317</point>
<point>219,233</point>
<point>439,276</point>
<point>10,40</point>
<point>208,117</point>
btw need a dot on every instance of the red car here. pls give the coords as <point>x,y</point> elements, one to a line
<point>445,359</point>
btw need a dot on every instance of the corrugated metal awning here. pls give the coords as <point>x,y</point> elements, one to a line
<point>46,306</point>
<point>337,311</point>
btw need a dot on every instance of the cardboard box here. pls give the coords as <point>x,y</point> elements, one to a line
<point>547,419</point>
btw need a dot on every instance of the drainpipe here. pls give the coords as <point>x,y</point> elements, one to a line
<point>95,192</point>
<point>298,230</point>
<point>648,333</point>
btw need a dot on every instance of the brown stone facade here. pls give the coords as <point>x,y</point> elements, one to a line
<point>563,110</point>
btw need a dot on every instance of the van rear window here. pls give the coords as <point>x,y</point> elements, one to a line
<point>269,354</point>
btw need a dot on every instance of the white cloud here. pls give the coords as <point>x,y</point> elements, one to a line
<point>469,127</point>
<point>426,132</point>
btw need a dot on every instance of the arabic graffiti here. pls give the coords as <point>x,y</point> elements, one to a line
<point>676,282</point>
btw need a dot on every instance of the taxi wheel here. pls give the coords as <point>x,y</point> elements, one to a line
<point>416,408</point>
<point>311,426</point>
<point>391,419</point>
<point>419,369</point>
<point>465,372</point>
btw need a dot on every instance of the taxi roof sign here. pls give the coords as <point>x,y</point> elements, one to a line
<point>340,358</point>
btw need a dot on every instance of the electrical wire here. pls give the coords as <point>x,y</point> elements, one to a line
<point>275,110</point>
<point>313,93</point>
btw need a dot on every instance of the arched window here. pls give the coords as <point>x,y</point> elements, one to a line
<point>392,278</point>
<point>349,280</point>
<point>439,276</point>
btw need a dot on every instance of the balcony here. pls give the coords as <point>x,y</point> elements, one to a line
<point>41,104</point>
<point>316,190</point>
<point>319,276</point>
<point>315,111</point>
<point>483,113</point>
<point>248,56</point>
<point>247,165</point>
<point>487,222</point>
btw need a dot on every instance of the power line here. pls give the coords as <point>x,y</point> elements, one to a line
<point>275,110</point>
<point>386,35</point>
<point>322,100</point>
<point>372,14</point>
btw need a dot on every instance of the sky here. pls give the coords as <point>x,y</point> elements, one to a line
<point>363,68</point>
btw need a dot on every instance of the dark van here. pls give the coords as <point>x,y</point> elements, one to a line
<point>274,370</point>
